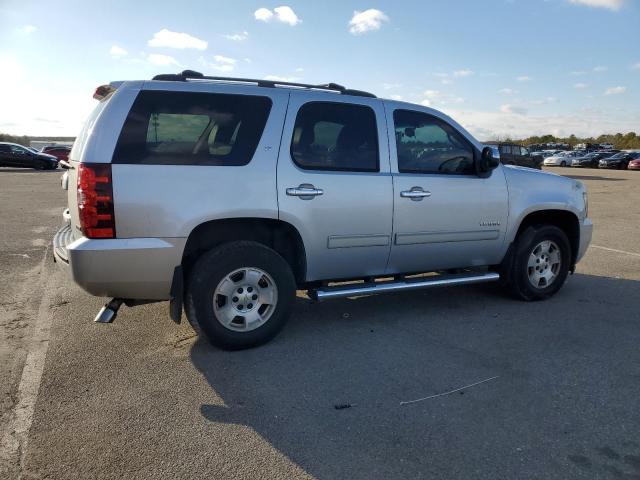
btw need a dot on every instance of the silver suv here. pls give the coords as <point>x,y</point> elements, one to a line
<point>228,195</point>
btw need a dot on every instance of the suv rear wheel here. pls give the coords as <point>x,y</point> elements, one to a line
<point>240,294</point>
<point>540,263</point>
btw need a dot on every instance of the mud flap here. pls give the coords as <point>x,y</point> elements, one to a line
<point>177,294</point>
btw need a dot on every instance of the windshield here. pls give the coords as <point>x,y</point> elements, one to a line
<point>618,155</point>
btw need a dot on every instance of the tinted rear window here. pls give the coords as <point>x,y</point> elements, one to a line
<point>335,136</point>
<point>184,128</point>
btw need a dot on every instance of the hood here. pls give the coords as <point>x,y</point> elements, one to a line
<point>544,178</point>
<point>46,156</point>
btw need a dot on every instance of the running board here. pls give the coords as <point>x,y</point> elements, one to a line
<point>400,285</point>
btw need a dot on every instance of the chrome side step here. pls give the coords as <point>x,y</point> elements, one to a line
<point>399,285</point>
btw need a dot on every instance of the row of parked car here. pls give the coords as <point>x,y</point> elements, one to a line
<point>19,156</point>
<point>620,159</point>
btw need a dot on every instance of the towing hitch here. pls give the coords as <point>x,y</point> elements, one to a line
<point>109,312</point>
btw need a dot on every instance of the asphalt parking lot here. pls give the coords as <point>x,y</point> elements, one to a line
<point>143,398</point>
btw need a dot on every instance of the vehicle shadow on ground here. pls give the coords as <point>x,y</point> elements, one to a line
<point>365,356</point>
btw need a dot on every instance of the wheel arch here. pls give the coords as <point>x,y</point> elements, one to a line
<point>281,236</point>
<point>565,220</point>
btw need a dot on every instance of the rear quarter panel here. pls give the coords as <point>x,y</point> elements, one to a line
<point>171,200</point>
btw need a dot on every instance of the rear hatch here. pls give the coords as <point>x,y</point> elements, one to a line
<point>96,141</point>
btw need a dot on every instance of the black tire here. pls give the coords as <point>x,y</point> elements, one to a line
<point>563,163</point>
<point>518,282</point>
<point>41,166</point>
<point>212,267</point>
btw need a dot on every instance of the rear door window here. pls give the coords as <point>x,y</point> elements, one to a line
<point>184,128</point>
<point>335,136</point>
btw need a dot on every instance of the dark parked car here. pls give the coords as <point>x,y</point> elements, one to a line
<point>619,160</point>
<point>511,154</point>
<point>591,160</point>
<point>61,152</point>
<point>14,155</point>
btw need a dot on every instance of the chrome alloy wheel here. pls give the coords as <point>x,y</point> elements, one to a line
<point>245,299</point>
<point>544,264</point>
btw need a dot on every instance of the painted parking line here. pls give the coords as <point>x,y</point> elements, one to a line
<point>13,444</point>
<point>633,254</point>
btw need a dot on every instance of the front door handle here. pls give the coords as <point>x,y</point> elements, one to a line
<point>416,194</point>
<point>305,191</point>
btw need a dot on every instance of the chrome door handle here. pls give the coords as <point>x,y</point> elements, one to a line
<point>415,194</point>
<point>304,191</point>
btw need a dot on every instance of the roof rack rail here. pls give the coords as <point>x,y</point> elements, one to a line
<point>193,75</point>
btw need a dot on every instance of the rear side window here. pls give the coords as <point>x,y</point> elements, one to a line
<point>335,136</point>
<point>184,128</point>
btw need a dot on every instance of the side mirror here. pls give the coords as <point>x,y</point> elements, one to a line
<point>487,161</point>
<point>64,164</point>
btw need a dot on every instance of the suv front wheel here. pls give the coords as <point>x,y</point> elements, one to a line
<point>540,263</point>
<point>240,294</point>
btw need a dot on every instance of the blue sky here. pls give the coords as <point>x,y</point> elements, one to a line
<point>499,67</point>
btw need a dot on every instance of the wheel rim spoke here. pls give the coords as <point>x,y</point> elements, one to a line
<point>267,295</point>
<point>226,287</point>
<point>226,314</point>
<point>252,319</point>
<point>252,277</point>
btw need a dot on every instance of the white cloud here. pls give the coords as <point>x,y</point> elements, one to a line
<point>220,64</point>
<point>299,69</point>
<point>615,90</point>
<point>117,52</point>
<point>282,14</point>
<point>463,73</point>
<point>225,60</point>
<point>161,60</point>
<point>396,97</point>
<point>580,86</point>
<point>435,97</point>
<point>507,91</point>
<point>523,78</point>
<point>237,37</point>
<point>635,66</point>
<point>287,15</point>
<point>263,14</point>
<point>577,73</point>
<point>608,4</point>
<point>488,125</point>
<point>543,101</point>
<point>513,109</point>
<point>600,68</point>
<point>276,78</point>
<point>391,86</point>
<point>367,21</point>
<point>28,29</point>
<point>167,38</point>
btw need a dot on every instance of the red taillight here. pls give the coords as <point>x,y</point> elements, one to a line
<point>95,200</point>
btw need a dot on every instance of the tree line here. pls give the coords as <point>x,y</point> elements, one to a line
<point>620,141</point>
<point>26,139</point>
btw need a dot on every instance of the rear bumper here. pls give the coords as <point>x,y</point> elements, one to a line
<point>131,268</point>
<point>586,232</point>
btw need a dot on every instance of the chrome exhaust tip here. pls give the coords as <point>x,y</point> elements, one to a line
<point>109,312</point>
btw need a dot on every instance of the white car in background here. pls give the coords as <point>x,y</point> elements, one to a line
<point>562,159</point>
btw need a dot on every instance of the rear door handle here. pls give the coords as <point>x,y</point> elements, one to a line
<point>416,194</point>
<point>305,191</point>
